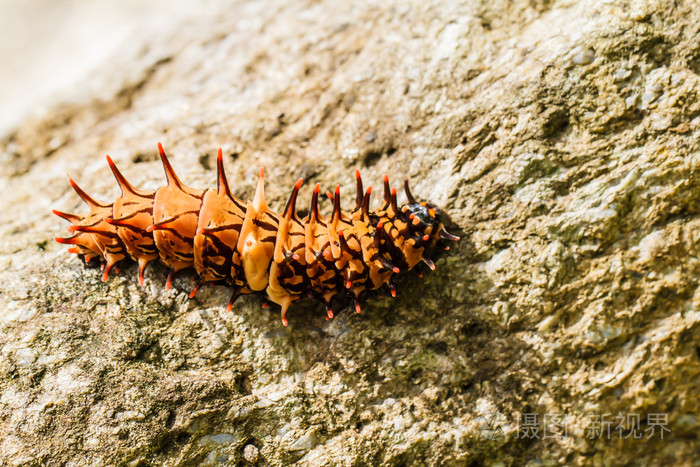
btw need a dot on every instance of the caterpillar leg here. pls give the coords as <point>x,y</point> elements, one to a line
<point>236,293</point>
<point>143,262</point>
<point>169,280</point>
<point>285,306</point>
<point>199,284</point>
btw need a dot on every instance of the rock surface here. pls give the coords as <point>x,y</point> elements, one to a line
<point>562,138</point>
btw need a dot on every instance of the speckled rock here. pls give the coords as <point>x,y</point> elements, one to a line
<point>562,138</point>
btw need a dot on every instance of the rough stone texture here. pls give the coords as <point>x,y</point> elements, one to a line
<point>561,137</point>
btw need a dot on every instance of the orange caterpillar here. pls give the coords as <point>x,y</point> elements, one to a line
<point>253,249</point>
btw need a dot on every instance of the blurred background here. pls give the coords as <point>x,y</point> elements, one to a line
<point>47,47</point>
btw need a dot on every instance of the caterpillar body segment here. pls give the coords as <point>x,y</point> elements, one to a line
<point>249,247</point>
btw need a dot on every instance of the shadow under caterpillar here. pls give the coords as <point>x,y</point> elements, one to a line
<point>251,248</point>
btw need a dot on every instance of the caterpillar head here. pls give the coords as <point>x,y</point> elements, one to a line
<point>426,212</point>
<point>428,217</point>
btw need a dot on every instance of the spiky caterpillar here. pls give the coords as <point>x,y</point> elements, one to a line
<point>253,249</point>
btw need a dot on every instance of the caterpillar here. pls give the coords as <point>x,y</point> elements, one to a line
<point>252,249</point>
